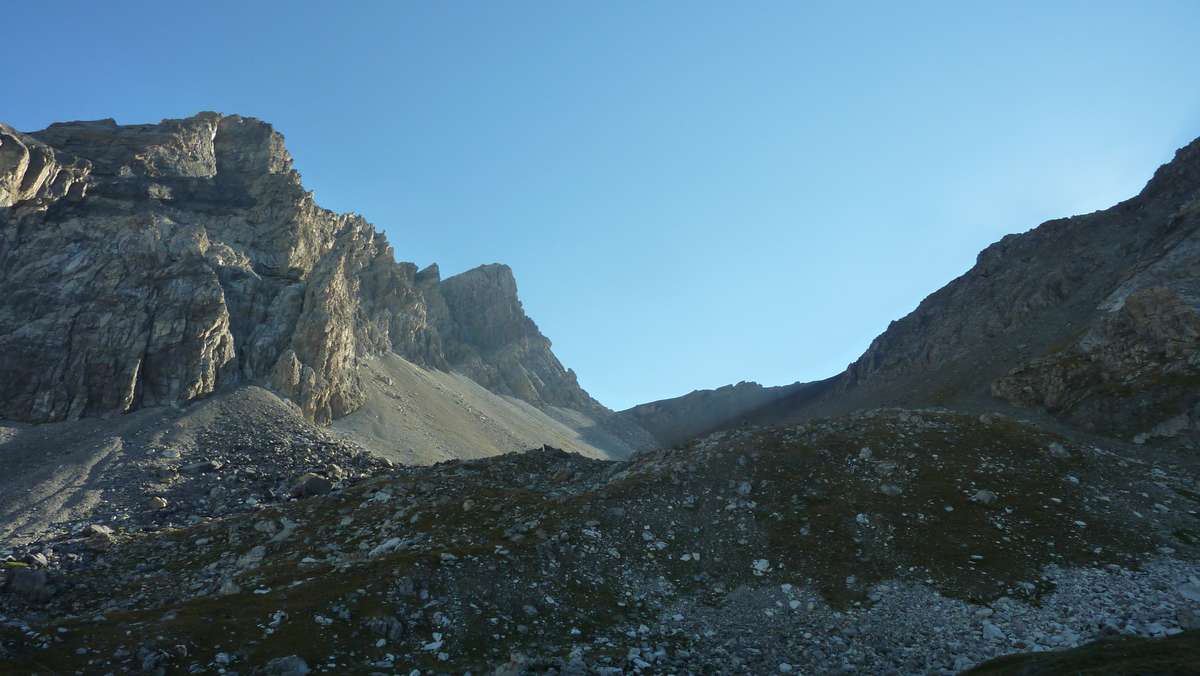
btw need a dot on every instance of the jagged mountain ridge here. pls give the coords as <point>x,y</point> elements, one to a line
<point>154,264</point>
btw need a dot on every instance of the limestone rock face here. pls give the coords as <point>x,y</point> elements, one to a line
<point>153,264</point>
<point>33,174</point>
<point>488,337</point>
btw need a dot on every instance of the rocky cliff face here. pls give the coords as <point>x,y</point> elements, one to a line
<point>153,264</point>
<point>489,338</point>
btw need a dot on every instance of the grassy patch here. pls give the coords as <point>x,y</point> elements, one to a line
<point>1174,656</point>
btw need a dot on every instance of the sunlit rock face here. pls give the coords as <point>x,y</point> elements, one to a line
<point>145,265</point>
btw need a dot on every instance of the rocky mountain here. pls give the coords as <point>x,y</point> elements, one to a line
<point>206,381</point>
<point>1092,320</point>
<point>1103,305</point>
<point>149,265</point>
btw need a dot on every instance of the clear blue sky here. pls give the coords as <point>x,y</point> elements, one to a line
<point>690,194</point>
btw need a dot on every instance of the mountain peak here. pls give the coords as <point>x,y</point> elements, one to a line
<point>1180,175</point>
<point>198,146</point>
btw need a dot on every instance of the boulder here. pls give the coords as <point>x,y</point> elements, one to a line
<point>309,485</point>
<point>389,627</point>
<point>292,665</point>
<point>983,497</point>
<point>31,585</point>
<point>203,466</point>
<point>93,529</point>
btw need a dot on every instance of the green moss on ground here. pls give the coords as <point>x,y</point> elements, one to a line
<point>1177,655</point>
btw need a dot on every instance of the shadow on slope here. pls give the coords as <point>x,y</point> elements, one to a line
<point>1177,655</point>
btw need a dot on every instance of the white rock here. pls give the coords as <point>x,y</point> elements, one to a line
<point>1190,591</point>
<point>1057,450</point>
<point>252,557</point>
<point>991,632</point>
<point>983,497</point>
<point>387,546</point>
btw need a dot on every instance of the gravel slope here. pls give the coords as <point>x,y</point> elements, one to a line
<point>417,416</point>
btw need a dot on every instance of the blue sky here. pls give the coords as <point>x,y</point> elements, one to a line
<point>690,193</point>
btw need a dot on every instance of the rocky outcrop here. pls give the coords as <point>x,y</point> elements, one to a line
<point>34,174</point>
<point>154,264</point>
<point>1136,372</point>
<point>488,337</point>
